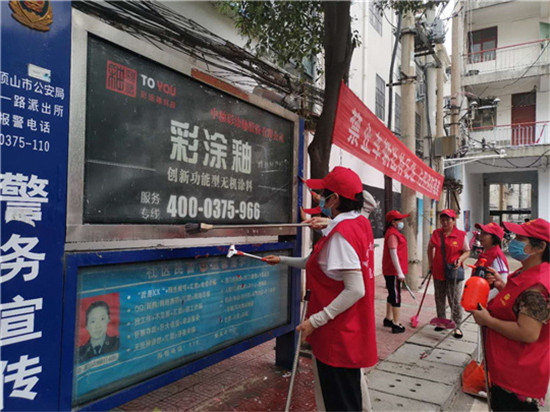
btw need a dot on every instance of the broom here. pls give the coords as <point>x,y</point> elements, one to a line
<point>414,319</point>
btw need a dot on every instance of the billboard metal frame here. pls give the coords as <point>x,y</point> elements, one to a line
<point>75,261</point>
<point>81,236</point>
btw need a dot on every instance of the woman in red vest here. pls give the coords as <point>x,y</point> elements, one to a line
<point>340,324</point>
<point>517,345</point>
<point>491,237</point>
<point>395,265</point>
<point>457,251</point>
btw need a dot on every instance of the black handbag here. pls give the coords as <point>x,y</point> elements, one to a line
<point>451,272</point>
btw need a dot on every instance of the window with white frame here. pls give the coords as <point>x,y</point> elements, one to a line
<point>375,16</point>
<point>397,127</point>
<point>380,98</point>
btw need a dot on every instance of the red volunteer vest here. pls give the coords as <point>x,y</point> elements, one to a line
<point>349,340</point>
<point>453,249</point>
<point>492,254</point>
<point>522,368</point>
<point>402,253</point>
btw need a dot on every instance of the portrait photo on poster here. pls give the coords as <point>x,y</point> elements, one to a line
<point>98,332</point>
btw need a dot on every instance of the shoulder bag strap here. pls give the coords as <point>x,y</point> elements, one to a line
<point>443,249</point>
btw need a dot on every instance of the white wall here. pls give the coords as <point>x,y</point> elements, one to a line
<point>206,14</point>
<point>518,31</point>
<point>472,198</point>
<point>543,99</point>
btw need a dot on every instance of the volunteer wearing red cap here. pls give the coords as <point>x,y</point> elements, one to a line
<point>518,336</point>
<point>340,324</point>
<point>395,265</point>
<point>491,237</point>
<point>456,250</point>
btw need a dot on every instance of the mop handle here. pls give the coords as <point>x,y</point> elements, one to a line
<point>297,353</point>
<point>426,278</point>
<point>479,348</point>
<point>487,388</point>
<point>424,295</point>
<point>429,351</point>
<point>239,253</point>
<point>409,290</point>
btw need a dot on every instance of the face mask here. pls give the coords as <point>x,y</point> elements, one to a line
<point>326,210</point>
<point>515,248</point>
<point>400,225</point>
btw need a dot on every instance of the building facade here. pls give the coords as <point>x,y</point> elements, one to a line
<point>506,110</point>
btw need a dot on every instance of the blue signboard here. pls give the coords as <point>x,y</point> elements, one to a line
<point>34,104</point>
<point>137,320</point>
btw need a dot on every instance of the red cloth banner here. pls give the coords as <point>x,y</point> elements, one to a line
<point>358,131</point>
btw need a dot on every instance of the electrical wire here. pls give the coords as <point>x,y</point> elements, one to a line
<point>530,165</point>
<point>530,67</point>
<point>386,17</point>
<point>514,166</point>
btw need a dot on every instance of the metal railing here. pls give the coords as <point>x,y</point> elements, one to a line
<point>520,134</point>
<point>516,56</point>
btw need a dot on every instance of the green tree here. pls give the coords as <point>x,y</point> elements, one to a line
<point>291,31</point>
<point>294,31</point>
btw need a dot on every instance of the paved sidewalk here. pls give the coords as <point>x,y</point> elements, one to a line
<point>250,381</point>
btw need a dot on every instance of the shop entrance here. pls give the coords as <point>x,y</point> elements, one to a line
<point>510,197</point>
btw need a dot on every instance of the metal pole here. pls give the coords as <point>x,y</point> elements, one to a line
<point>408,98</point>
<point>297,353</point>
<point>439,125</point>
<point>388,181</point>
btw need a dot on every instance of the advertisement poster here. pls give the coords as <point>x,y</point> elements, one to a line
<point>164,148</point>
<point>135,321</point>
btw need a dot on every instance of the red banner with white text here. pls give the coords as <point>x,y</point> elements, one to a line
<point>358,131</point>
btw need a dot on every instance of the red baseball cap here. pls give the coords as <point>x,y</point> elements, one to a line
<point>448,212</point>
<point>538,228</point>
<point>340,180</point>
<point>394,214</point>
<point>492,228</point>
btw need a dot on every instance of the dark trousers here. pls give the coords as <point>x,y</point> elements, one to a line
<point>393,285</point>
<point>341,387</point>
<point>502,400</point>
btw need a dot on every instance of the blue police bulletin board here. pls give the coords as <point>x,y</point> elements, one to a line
<point>164,314</point>
<point>34,113</point>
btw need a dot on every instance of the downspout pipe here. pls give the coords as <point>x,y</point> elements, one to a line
<point>388,181</point>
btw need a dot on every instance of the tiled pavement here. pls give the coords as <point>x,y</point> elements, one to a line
<point>250,381</point>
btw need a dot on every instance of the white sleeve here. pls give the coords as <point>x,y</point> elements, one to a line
<point>295,262</point>
<point>354,289</point>
<point>465,245</point>
<point>500,267</point>
<point>341,255</point>
<point>395,261</point>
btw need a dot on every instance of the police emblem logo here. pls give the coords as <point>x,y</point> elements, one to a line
<point>34,14</point>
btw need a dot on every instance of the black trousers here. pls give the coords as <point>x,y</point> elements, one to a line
<point>341,387</point>
<point>502,400</point>
<point>393,285</point>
